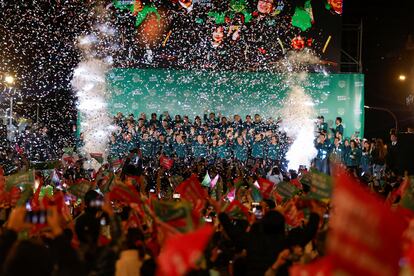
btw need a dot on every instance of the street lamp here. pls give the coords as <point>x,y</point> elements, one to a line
<point>402,77</point>
<point>8,81</point>
<point>386,110</point>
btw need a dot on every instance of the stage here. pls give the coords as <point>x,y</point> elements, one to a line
<point>192,92</point>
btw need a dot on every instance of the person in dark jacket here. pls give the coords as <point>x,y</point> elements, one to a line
<point>393,154</point>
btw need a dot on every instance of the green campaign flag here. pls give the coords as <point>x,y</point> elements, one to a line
<point>206,181</point>
<point>48,165</point>
<point>236,210</point>
<point>68,150</point>
<point>175,214</point>
<point>21,178</point>
<point>46,191</point>
<point>306,179</point>
<point>25,195</point>
<point>321,186</point>
<point>80,188</point>
<point>255,192</point>
<point>286,190</point>
<point>98,157</point>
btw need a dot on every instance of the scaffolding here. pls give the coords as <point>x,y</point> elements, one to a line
<point>351,51</point>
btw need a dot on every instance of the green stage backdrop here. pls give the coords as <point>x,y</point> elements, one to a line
<point>188,92</point>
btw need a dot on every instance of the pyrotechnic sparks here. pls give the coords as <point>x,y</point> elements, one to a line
<point>90,86</point>
<point>298,113</point>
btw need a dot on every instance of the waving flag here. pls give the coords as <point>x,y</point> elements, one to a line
<point>175,214</point>
<point>206,181</point>
<point>363,226</point>
<point>192,191</point>
<point>182,251</point>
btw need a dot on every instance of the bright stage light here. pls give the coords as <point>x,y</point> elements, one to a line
<point>9,79</point>
<point>402,77</point>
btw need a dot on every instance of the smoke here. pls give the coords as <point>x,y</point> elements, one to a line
<point>298,113</point>
<point>90,86</point>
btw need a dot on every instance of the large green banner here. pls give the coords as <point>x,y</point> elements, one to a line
<point>192,92</point>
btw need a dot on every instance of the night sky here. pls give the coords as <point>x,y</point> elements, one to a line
<point>37,46</point>
<point>385,31</point>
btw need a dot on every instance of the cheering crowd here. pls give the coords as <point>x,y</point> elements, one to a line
<point>252,142</point>
<point>180,197</point>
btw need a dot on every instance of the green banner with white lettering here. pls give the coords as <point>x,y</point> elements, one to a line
<point>191,92</point>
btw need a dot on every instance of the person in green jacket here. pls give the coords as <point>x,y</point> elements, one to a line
<point>258,147</point>
<point>179,147</point>
<point>146,146</point>
<point>129,142</point>
<point>366,158</point>
<point>200,148</point>
<point>162,146</point>
<point>273,151</point>
<point>115,150</point>
<point>337,153</point>
<point>323,147</point>
<point>223,150</point>
<point>213,149</point>
<point>240,150</point>
<point>338,126</point>
<point>354,157</point>
<point>322,126</point>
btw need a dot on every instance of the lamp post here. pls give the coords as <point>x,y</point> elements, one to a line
<point>386,110</point>
<point>8,81</point>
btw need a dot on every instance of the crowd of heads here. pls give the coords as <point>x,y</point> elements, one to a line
<point>103,220</point>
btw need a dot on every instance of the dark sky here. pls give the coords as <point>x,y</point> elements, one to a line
<point>386,28</point>
<point>49,57</point>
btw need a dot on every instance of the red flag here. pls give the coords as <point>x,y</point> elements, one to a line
<point>14,195</point>
<point>293,216</point>
<point>182,251</point>
<point>35,204</point>
<point>97,156</point>
<point>70,160</point>
<point>266,187</point>
<point>405,184</point>
<point>320,267</point>
<point>124,193</point>
<point>166,162</point>
<point>192,191</point>
<point>296,183</point>
<point>365,236</point>
<point>236,210</point>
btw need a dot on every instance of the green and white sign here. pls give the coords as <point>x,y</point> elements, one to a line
<point>191,92</point>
